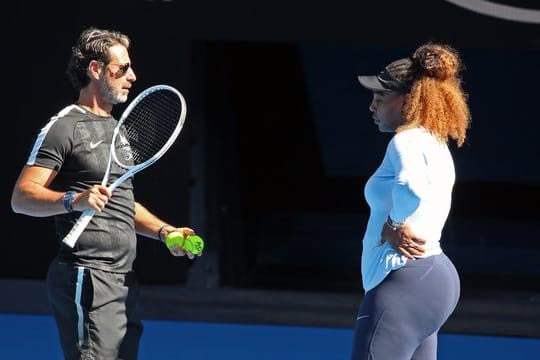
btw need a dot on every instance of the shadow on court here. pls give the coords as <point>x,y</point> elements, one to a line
<point>24,336</point>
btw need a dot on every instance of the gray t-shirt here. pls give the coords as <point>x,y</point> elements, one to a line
<point>76,144</point>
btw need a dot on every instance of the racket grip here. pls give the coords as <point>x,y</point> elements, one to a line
<point>73,235</point>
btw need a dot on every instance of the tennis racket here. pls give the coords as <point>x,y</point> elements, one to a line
<point>146,130</point>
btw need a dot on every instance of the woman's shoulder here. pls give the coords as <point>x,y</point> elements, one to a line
<point>412,133</point>
<point>415,134</point>
<point>408,135</point>
<point>416,138</point>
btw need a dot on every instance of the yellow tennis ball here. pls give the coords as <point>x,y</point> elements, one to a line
<point>175,238</point>
<point>193,243</point>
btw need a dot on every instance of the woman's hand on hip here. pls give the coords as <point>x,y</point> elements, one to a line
<point>403,240</point>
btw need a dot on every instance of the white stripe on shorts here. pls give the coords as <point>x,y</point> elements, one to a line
<point>78,294</point>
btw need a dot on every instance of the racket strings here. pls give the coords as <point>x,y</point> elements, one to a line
<point>148,127</point>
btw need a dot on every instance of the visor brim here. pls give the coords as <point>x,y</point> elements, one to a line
<point>371,82</point>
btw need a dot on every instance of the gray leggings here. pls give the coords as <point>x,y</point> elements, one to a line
<point>400,318</point>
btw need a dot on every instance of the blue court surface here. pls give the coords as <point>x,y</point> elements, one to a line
<point>24,336</point>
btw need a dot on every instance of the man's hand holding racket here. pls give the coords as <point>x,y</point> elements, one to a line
<point>94,198</point>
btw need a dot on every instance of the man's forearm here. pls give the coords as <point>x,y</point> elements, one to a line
<point>36,200</point>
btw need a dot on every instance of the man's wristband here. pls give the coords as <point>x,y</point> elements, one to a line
<point>160,231</point>
<point>68,198</point>
<point>394,225</point>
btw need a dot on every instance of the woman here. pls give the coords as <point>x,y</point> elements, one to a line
<point>411,286</point>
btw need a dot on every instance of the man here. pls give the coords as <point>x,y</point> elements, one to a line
<point>91,287</point>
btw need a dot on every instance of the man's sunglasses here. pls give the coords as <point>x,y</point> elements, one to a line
<point>122,68</point>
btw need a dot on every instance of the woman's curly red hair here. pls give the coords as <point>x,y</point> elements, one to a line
<point>437,100</point>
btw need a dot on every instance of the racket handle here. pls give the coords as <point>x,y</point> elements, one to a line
<point>73,235</point>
